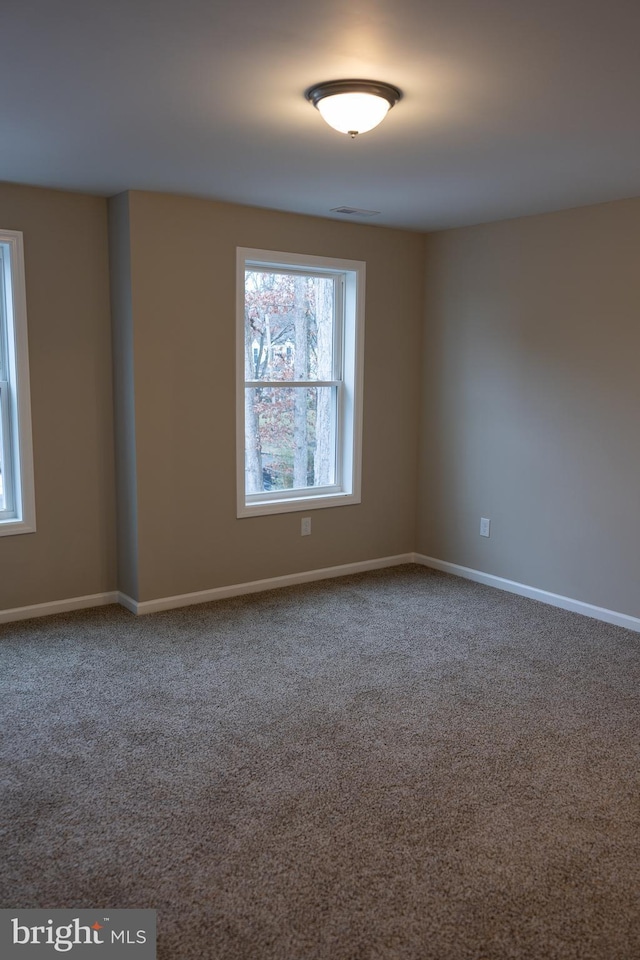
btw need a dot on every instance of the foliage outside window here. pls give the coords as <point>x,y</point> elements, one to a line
<point>299,381</point>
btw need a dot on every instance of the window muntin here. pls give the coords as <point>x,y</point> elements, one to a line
<point>299,381</point>
<point>17,508</point>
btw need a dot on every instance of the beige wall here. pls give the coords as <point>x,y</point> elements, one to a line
<point>72,552</point>
<point>531,402</point>
<point>528,415</point>
<point>183,307</point>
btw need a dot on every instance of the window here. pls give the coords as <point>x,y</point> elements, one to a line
<point>299,360</point>
<point>17,507</point>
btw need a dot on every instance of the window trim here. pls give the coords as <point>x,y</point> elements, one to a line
<point>19,471</point>
<point>349,425</point>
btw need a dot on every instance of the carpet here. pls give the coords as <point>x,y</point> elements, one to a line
<point>399,764</point>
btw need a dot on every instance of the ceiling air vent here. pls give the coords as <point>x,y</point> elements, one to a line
<point>354,212</point>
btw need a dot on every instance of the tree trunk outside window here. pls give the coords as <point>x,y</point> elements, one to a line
<point>300,372</point>
<point>325,445</point>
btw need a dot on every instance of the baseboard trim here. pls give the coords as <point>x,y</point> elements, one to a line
<point>58,606</point>
<point>308,576</point>
<point>128,602</point>
<point>258,586</point>
<point>533,593</point>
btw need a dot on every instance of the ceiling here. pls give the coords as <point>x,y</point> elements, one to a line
<point>510,107</point>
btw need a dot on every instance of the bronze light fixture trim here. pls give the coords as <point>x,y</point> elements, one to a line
<point>353,106</point>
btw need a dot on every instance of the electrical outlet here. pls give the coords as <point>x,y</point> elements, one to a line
<point>485,527</point>
<point>305,527</point>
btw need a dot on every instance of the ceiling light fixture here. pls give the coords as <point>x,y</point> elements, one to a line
<point>353,106</point>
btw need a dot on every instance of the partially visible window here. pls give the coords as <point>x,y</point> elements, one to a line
<point>300,347</point>
<point>17,506</point>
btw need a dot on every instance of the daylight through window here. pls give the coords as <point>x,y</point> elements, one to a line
<point>17,510</point>
<point>299,365</point>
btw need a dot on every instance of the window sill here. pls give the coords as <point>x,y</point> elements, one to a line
<point>292,504</point>
<point>9,528</point>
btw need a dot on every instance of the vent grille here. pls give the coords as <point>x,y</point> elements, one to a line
<point>354,212</point>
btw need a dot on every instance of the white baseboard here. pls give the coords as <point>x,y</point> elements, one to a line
<point>308,576</point>
<point>57,606</point>
<point>126,601</point>
<point>553,599</point>
<point>258,586</point>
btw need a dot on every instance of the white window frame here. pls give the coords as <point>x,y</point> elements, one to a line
<point>349,330</point>
<point>19,513</point>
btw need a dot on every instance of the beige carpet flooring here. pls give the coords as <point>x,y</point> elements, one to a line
<point>400,764</point>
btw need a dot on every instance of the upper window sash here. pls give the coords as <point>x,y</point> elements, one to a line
<point>335,373</point>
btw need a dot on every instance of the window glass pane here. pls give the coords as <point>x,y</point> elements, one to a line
<point>288,326</point>
<point>290,438</point>
<point>4,258</point>
<point>3,488</point>
<point>16,465</point>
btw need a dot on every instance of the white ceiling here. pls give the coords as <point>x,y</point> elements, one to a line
<point>510,106</point>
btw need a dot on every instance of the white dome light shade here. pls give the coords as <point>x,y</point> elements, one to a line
<point>353,106</point>
<point>353,112</point>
